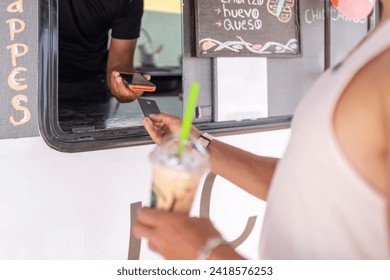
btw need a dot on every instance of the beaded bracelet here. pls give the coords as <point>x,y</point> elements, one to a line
<point>211,244</point>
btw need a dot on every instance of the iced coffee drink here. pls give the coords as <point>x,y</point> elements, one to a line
<point>176,178</point>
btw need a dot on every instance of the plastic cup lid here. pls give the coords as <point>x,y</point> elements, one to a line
<point>354,9</point>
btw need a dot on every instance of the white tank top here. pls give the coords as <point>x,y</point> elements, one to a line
<point>319,207</point>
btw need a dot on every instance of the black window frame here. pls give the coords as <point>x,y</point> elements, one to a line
<point>50,129</point>
<point>83,141</point>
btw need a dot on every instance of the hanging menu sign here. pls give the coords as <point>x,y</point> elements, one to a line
<point>247,28</point>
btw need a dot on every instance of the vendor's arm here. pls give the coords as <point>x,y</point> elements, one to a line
<point>250,172</point>
<point>121,59</point>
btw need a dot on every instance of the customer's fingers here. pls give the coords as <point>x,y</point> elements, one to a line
<point>149,217</point>
<point>163,117</point>
<point>152,130</point>
<point>170,121</point>
<point>153,246</point>
<point>140,231</point>
<point>156,117</point>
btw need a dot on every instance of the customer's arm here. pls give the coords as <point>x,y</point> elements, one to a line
<point>388,182</point>
<point>250,172</point>
<point>387,140</point>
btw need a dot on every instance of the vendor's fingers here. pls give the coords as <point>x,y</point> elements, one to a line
<point>114,76</point>
<point>112,82</point>
<point>115,81</point>
<point>124,93</point>
<point>147,76</point>
<point>120,85</point>
<point>138,93</point>
<point>121,92</point>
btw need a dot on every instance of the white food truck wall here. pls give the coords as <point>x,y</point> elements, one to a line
<point>56,205</point>
<point>77,206</point>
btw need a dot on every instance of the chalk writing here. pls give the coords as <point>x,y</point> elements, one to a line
<point>16,100</point>
<point>239,18</point>
<point>313,15</point>
<point>13,29</point>
<point>282,9</point>
<point>248,27</point>
<point>15,7</point>
<point>15,81</point>
<point>235,46</point>
<point>17,50</point>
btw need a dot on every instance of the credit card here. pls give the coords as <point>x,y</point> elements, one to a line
<point>148,106</point>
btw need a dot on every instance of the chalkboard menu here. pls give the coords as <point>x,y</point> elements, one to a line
<point>247,28</point>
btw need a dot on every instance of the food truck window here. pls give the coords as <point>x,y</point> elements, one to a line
<point>252,71</point>
<point>78,112</point>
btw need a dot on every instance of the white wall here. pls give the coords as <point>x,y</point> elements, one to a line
<point>77,206</point>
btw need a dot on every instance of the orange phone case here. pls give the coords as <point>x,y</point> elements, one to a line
<point>137,82</point>
<point>142,88</point>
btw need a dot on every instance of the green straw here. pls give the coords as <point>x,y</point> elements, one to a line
<point>187,120</point>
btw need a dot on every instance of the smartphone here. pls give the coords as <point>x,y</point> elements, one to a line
<point>136,81</point>
<point>148,106</point>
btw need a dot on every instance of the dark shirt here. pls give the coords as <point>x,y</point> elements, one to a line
<point>83,34</point>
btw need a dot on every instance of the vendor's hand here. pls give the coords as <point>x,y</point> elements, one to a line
<point>174,235</point>
<point>122,93</point>
<point>163,124</point>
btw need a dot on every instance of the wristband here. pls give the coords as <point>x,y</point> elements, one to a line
<point>205,139</point>
<point>211,244</point>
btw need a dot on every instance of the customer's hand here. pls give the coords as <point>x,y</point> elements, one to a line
<point>174,235</point>
<point>162,124</point>
<point>122,93</point>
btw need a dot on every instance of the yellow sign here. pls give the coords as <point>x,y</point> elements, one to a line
<point>163,6</point>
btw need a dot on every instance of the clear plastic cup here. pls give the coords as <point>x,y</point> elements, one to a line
<point>176,179</point>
